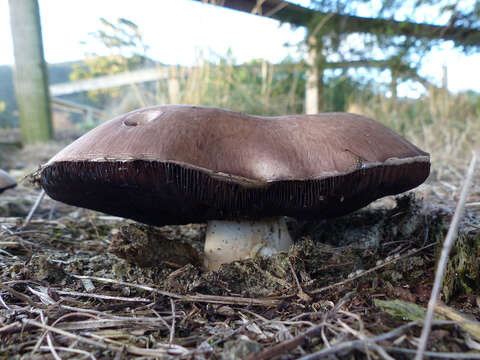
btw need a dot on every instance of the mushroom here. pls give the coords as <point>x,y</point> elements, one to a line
<point>6,181</point>
<point>178,164</point>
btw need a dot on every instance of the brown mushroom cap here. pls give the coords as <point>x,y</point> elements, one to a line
<point>177,164</point>
<point>6,181</point>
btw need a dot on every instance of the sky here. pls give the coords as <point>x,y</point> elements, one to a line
<point>176,31</point>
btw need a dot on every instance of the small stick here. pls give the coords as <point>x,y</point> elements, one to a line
<point>66,349</point>
<point>375,268</point>
<point>286,346</point>
<point>232,300</point>
<point>290,344</point>
<point>134,350</point>
<point>50,342</point>
<point>301,294</point>
<point>172,327</point>
<point>358,344</point>
<point>34,208</point>
<point>52,211</point>
<point>101,296</point>
<point>436,355</point>
<point>442,263</point>
<point>72,336</point>
<point>21,296</point>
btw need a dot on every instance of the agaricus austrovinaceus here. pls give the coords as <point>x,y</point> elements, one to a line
<point>242,174</point>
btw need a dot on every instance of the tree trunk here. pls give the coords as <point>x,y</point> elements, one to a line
<point>30,72</point>
<point>314,84</point>
<point>393,87</point>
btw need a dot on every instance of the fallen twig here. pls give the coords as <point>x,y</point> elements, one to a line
<point>172,327</point>
<point>375,268</point>
<point>34,208</point>
<point>101,296</point>
<point>72,336</point>
<point>75,351</point>
<point>286,346</point>
<point>435,355</point>
<point>232,300</point>
<point>472,327</point>
<point>291,344</point>
<point>358,344</point>
<point>134,350</point>
<point>21,296</point>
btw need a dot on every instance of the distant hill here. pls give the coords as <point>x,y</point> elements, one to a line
<point>7,96</point>
<point>57,73</point>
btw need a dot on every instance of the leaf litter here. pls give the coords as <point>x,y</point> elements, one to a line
<point>80,284</point>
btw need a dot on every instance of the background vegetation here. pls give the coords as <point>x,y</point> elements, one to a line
<point>443,123</point>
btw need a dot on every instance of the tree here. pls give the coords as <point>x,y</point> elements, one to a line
<point>123,50</point>
<point>30,75</point>
<point>256,87</point>
<point>358,33</point>
<point>392,36</point>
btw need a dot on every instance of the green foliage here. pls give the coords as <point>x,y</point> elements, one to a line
<point>256,87</point>
<point>403,309</point>
<point>462,275</point>
<point>378,39</point>
<point>125,49</point>
<point>340,89</point>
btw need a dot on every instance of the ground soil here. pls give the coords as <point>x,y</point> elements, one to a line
<point>81,284</point>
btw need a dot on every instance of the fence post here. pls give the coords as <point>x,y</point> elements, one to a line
<point>30,72</point>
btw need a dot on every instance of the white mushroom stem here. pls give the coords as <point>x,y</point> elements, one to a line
<point>227,241</point>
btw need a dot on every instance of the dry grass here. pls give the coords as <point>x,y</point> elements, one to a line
<point>258,87</point>
<point>445,125</point>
